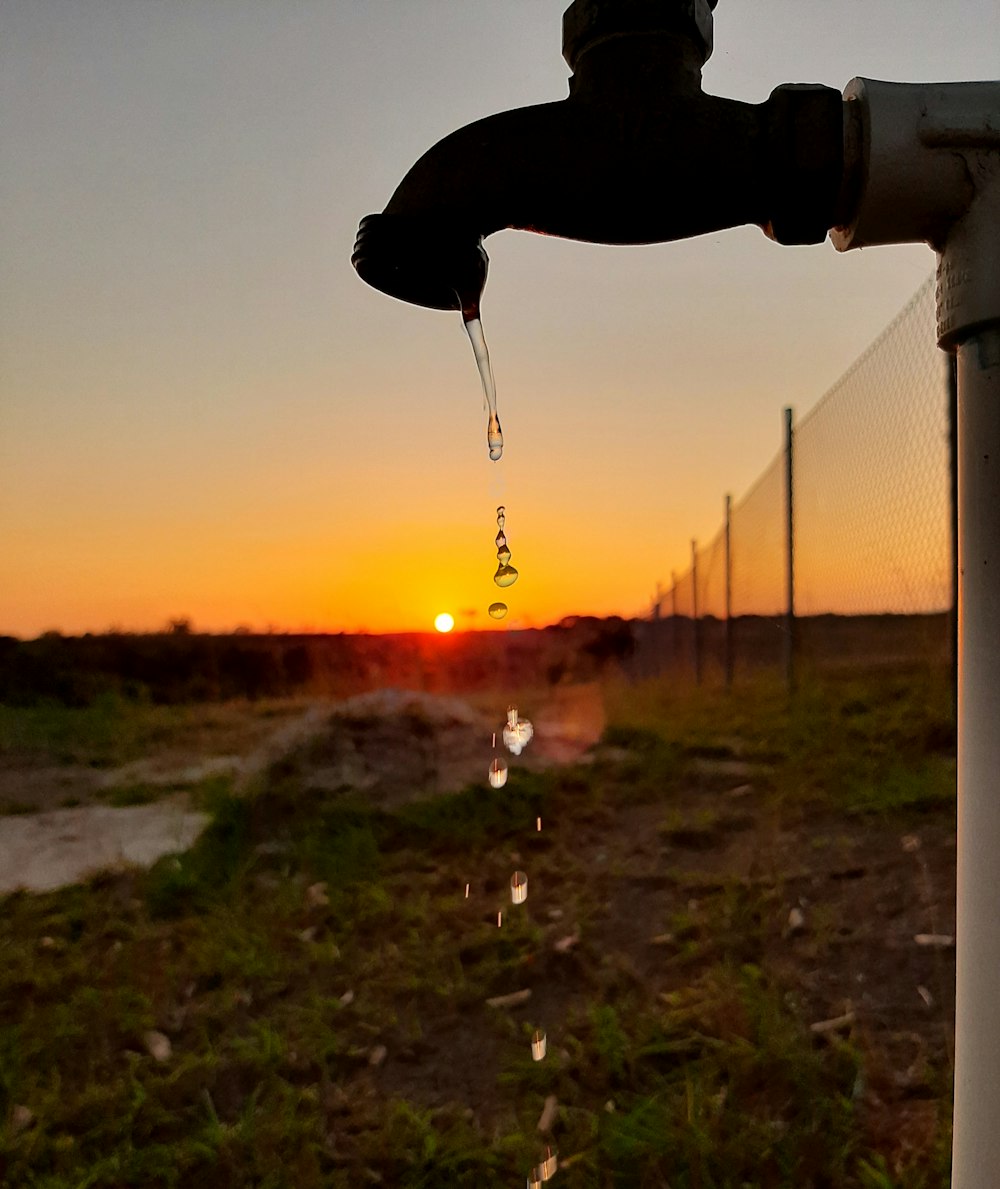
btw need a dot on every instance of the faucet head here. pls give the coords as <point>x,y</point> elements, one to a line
<point>587,22</point>
<point>423,259</point>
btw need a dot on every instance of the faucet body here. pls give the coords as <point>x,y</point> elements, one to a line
<point>637,153</point>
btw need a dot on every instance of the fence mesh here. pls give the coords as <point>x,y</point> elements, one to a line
<point>872,514</point>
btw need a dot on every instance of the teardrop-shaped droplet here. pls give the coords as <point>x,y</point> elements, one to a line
<point>498,772</point>
<point>494,437</point>
<point>503,556</point>
<point>501,541</point>
<point>505,575</point>
<point>501,516</point>
<point>497,610</point>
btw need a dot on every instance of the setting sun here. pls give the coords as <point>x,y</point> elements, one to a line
<point>444,622</point>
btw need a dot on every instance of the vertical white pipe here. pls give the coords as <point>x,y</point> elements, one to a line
<point>976,1146</point>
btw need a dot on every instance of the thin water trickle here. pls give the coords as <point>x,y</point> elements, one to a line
<point>498,772</point>
<point>538,824</point>
<point>497,610</point>
<point>538,1045</point>
<point>494,434</point>
<point>466,891</point>
<point>518,887</point>
<point>501,517</point>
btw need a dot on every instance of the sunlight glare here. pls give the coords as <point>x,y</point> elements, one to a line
<point>444,622</point>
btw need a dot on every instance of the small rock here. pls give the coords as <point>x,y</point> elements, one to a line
<point>565,944</point>
<point>926,996</point>
<point>377,1056</point>
<point>910,843</point>
<point>796,921</point>
<point>347,998</point>
<point>555,914</point>
<point>157,1045</point>
<point>836,1024</point>
<point>609,1106</point>
<point>662,939</point>
<point>21,1117</point>
<point>548,1115</point>
<point>514,999</point>
<point>316,896</point>
<point>308,934</point>
<point>741,790</point>
<point>937,941</point>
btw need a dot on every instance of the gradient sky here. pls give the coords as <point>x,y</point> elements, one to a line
<point>206,413</point>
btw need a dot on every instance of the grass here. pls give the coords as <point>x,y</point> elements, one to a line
<point>302,938</point>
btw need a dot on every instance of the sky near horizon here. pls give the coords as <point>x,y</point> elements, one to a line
<point>206,414</point>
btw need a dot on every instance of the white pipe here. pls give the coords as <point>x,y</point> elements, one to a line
<point>976,1145</point>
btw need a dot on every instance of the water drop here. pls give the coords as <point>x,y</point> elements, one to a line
<point>503,556</point>
<point>501,515</point>
<point>466,891</point>
<point>538,824</point>
<point>499,919</point>
<point>501,540</point>
<point>534,1179</point>
<point>497,610</point>
<point>494,436</point>
<point>549,1164</point>
<point>518,887</point>
<point>538,1045</point>
<point>517,733</point>
<point>498,773</point>
<point>505,575</point>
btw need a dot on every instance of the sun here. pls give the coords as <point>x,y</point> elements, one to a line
<point>444,622</point>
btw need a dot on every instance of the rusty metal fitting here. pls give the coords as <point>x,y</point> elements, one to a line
<point>587,22</point>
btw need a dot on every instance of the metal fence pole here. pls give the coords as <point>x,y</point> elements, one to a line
<point>729,592</point>
<point>790,640</point>
<point>674,643</point>
<point>694,612</point>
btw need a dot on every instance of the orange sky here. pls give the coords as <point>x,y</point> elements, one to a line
<point>206,414</point>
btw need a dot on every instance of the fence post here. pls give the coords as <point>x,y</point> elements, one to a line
<point>790,633</point>
<point>729,593</point>
<point>674,643</point>
<point>694,612</point>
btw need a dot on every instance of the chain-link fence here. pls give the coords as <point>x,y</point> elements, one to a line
<point>844,545</point>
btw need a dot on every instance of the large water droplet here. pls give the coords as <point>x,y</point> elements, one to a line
<point>517,733</point>
<point>498,772</point>
<point>497,610</point>
<point>494,437</point>
<point>518,887</point>
<point>505,575</point>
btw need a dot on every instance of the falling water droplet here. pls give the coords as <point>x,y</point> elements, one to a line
<point>466,891</point>
<point>501,515</point>
<point>549,1164</point>
<point>494,436</point>
<point>498,772</point>
<point>518,732</point>
<point>503,555</point>
<point>499,919</point>
<point>518,887</point>
<point>497,610</point>
<point>538,824</point>
<point>501,540</point>
<point>505,575</point>
<point>538,1045</point>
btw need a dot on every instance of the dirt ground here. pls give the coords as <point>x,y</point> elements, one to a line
<point>391,745</point>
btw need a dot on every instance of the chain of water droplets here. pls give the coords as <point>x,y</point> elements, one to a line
<point>517,732</point>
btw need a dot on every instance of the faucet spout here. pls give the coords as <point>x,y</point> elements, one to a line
<point>637,153</point>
